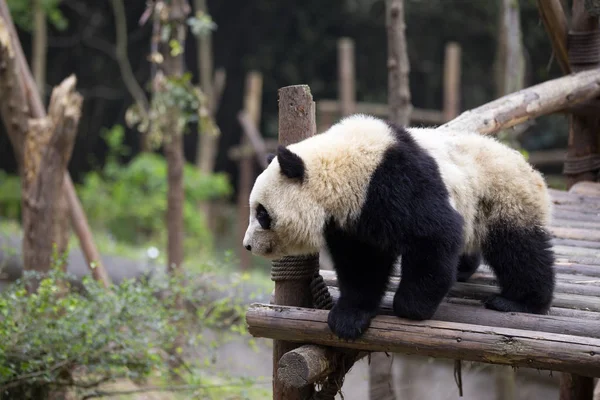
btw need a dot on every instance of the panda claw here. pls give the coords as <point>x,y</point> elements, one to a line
<point>349,323</point>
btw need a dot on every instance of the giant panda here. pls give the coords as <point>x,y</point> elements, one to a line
<point>439,201</point>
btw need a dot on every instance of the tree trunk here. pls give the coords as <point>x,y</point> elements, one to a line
<point>398,63</point>
<point>171,126</point>
<point>206,152</point>
<point>20,101</point>
<point>47,151</point>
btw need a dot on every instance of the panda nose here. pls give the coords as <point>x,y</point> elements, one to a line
<point>248,247</point>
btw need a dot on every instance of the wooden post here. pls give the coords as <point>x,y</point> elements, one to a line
<point>252,104</point>
<point>346,77</point>
<point>296,122</point>
<point>452,81</point>
<point>398,63</point>
<point>576,387</point>
<point>583,157</point>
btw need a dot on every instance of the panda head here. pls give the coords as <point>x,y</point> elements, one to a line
<point>285,215</point>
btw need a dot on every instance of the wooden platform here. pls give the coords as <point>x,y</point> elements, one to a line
<point>567,339</point>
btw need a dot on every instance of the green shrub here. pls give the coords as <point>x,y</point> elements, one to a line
<point>130,201</point>
<point>76,340</point>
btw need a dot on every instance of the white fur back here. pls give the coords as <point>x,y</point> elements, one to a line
<point>479,171</point>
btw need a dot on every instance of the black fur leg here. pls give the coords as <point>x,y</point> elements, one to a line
<point>428,272</point>
<point>467,266</point>
<point>522,259</point>
<point>347,322</point>
<point>363,273</point>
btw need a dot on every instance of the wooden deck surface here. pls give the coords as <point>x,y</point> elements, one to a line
<point>567,339</point>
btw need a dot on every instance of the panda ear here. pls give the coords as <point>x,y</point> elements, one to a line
<point>270,158</point>
<point>291,164</point>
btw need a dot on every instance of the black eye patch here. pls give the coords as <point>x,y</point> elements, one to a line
<point>263,217</point>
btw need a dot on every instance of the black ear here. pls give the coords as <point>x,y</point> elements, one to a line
<point>291,164</point>
<point>270,158</point>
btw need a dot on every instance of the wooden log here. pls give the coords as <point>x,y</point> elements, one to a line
<point>346,76</point>
<point>576,387</point>
<point>46,154</point>
<point>559,213</point>
<point>296,122</point>
<point>452,81</point>
<point>557,312</point>
<point>474,313</point>
<point>481,292</point>
<point>555,22</point>
<point>397,63</point>
<point>516,347</point>
<point>252,107</point>
<point>305,365</point>
<point>586,188</point>
<point>524,105</point>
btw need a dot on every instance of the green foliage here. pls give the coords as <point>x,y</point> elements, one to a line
<point>130,200</point>
<point>47,333</point>
<point>22,13</point>
<point>10,196</point>
<point>175,105</point>
<point>201,24</point>
<point>79,339</point>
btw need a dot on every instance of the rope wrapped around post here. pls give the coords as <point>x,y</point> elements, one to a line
<point>307,267</point>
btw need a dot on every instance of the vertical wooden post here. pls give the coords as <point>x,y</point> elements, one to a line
<point>452,81</point>
<point>575,387</point>
<point>584,133</point>
<point>346,77</point>
<point>583,156</point>
<point>296,122</point>
<point>398,64</point>
<point>252,104</point>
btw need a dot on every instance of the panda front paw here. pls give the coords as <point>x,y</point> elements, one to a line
<point>349,323</point>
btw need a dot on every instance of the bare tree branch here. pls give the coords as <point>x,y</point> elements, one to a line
<point>121,53</point>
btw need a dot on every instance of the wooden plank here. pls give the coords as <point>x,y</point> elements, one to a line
<point>515,108</point>
<point>516,347</point>
<point>575,233</point>
<point>476,314</point>
<point>586,188</point>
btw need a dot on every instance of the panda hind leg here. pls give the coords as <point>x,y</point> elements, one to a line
<point>522,260</point>
<point>467,265</point>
